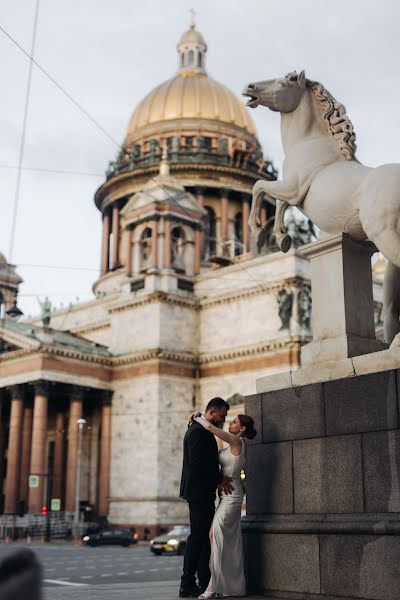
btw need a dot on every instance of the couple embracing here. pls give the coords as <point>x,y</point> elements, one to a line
<point>219,565</point>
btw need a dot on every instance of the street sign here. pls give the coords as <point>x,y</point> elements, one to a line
<point>55,504</point>
<point>33,481</point>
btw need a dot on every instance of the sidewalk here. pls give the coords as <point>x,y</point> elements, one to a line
<point>162,590</point>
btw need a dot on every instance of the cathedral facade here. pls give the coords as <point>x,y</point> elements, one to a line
<point>186,308</point>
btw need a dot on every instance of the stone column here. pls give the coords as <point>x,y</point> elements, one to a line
<point>167,244</point>
<point>245,224</point>
<point>115,232</point>
<point>26,453</point>
<point>75,413</point>
<point>154,245</point>
<point>263,216</point>
<point>200,195</point>
<point>39,446</point>
<point>105,456</point>
<point>128,263</point>
<point>224,215</point>
<point>105,251</point>
<point>197,249</point>
<point>343,309</point>
<point>14,449</point>
<point>59,447</point>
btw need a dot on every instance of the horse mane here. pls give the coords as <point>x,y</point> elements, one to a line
<point>339,124</point>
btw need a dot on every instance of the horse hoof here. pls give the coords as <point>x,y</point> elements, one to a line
<point>284,242</point>
<point>262,239</point>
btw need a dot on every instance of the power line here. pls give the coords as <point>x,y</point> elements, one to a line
<point>22,144</point>
<point>60,87</point>
<point>59,267</point>
<point>57,171</point>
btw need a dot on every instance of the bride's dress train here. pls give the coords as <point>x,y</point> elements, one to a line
<point>227,561</point>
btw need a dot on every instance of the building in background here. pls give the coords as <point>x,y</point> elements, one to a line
<point>186,308</point>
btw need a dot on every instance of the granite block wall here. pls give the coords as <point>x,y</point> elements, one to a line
<point>323,490</point>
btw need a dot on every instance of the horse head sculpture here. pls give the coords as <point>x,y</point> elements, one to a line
<point>322,177</point>
<point>280,95</point>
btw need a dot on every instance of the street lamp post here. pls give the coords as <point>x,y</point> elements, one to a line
<point>81,423</point>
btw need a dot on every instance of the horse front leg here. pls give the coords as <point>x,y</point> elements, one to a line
<point>282,193</point>
<point>283,239</point>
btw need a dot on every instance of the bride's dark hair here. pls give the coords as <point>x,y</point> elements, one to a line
<point>247,422</point>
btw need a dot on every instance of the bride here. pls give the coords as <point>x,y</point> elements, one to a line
<point>226,563</point>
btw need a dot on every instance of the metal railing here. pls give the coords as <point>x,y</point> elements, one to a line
<point>60,525</point>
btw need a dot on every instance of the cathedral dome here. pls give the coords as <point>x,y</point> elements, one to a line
<point>190,95</point>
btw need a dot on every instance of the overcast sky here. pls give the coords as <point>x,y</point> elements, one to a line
<point>108,55</point>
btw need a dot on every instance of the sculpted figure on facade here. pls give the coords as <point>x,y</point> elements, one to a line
<point>301,232</point>
<point>304,304</point>
<point>45,310</point>
<point>324,179</point>
<point>285,307</point>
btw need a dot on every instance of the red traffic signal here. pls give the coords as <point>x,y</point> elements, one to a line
<point>44,510</point>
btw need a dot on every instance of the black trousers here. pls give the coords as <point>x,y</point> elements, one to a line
<point>197,552</point>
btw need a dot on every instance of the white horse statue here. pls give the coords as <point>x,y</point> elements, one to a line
<point>324,179</point>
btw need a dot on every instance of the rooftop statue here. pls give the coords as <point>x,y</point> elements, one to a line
<point>324,179</point>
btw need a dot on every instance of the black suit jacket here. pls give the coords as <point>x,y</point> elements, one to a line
<point>200,472</point>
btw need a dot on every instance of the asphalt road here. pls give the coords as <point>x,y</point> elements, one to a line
<point>71,566</point>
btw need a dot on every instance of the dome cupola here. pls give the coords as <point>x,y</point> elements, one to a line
<point>192,49</point>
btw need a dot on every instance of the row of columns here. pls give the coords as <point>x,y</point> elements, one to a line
<point>27,451</point>
<point>111,225</point>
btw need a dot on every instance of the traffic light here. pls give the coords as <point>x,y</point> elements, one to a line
<point>44,510</point>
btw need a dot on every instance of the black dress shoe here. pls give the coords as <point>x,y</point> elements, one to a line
<point>193,592</point>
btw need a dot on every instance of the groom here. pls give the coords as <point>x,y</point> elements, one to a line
<point>201,476</point>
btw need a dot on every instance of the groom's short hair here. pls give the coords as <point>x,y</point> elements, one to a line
<point>217,404</point>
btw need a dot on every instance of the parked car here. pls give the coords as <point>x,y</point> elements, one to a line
<point>122,537</point>
<point>173,541</point>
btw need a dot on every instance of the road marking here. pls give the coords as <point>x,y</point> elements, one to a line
<point>61,582</point>
<point>71,568</point>
<point>138,572</point>
<point>123,573</point>
<point>86,577</point>
<point>106,575</point>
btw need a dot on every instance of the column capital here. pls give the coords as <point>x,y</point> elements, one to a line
<point>200,189</point>
<point>106,397</point>
<point>225,193</point>
<point>41,387</point>
<point>77,393</point>
<point>17,392</point>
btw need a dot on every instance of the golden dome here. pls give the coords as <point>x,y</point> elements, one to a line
<point>191,94</point>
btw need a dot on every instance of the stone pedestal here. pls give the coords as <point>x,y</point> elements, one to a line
<point>343,311</point>
<point>323,486</point>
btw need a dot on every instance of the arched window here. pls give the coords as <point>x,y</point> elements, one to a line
<point>191,58</point>
<point>238,234</point>
<point>145,248</point>
<point>178,249</point>
<point>182,59</point>
<point>199,59</point>
<point>209,242</point>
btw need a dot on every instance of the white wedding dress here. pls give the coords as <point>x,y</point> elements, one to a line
<point>227,563</point>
